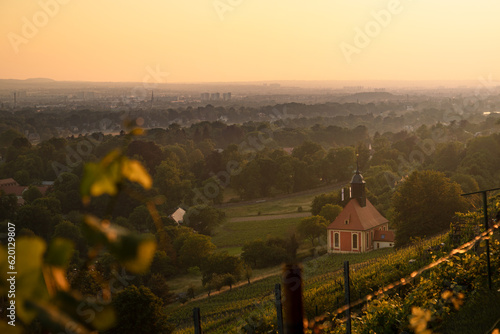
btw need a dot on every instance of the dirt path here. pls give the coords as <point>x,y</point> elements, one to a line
<point>269,217</point>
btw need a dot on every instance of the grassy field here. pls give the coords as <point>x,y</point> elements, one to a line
<point>235,234</point>
<point>277,206</point>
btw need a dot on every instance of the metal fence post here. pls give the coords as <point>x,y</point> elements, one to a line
<point>279,309</point>
<point>486,227</point>
<point>197,320</point>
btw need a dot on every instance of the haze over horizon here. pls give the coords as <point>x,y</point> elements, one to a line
<point>250,41</point>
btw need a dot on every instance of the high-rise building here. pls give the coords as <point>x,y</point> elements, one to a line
<point>226,96</point>
<point>205,96</point>
<point>215,96</point>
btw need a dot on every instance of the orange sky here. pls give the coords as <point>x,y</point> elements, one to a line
<point>249,40</point>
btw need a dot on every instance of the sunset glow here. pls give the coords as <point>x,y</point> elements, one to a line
<point>250,40</point>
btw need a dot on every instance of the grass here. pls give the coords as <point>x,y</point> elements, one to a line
<point>181,283</point>
<point>235,251</point>
<point>276,206</point>
<point>236,234</point>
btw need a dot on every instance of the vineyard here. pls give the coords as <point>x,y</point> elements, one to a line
<point>253,305</point>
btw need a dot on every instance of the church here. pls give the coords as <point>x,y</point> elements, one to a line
<point>359,227</point>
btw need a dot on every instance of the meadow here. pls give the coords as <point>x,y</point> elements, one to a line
<point>236,234</point>
<point>277,206</point>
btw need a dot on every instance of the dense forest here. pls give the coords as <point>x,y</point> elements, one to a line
<point>211,162</point>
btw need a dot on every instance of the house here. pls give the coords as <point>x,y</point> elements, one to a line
<point>10,186</point>
<point>178,215</point>
<point>383,239</point>
<point>359,227</point>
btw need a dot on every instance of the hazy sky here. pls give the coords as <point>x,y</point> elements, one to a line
<point>250,40</point>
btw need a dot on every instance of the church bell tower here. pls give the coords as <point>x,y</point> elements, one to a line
<point>358,187</point>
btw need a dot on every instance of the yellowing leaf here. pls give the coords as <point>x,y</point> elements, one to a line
<point>55,279</point>
<point>447,294</point>
<point>137,132</point>
<point>103,185</point>
<point>419,320</point>
<point>135,172</point>
<point>145,252</point>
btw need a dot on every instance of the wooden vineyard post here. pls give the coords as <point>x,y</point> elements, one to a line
<point>347,297</point>
<point>293,307</point>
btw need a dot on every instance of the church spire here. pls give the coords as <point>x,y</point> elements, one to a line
<point>358,186</point>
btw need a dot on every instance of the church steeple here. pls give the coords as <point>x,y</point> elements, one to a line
<point>358,186</point>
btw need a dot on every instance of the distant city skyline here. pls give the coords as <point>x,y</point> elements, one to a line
<point>249,41</point>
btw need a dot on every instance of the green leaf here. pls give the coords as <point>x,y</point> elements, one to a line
<point>29,280</point>
<point>134,251</point>
<point>144,252</point>
<point>101,178</point>
<point>104,177</point>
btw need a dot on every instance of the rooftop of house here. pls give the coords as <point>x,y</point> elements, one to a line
<point>383,236</point>
<point>8,182</point>
<point>178,215</point>
<point>358,218</point>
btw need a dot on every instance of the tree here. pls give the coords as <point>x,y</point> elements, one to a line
<point>67,190</point>
<point>138,310</point>
<point>330,212</point>
<point>36,218</point>
<point>204,218</point>
<point>70,231</point>
<point>312,227</point>
<point>141,219</point>
<point>308,151</point>
<point>229,280</point>
<point>247,272</point>
<point>162,265</point>
<point>8,205</point>
<point>425,204</point>
<point>149,151</point>
<point>31,194</point>
<point>466,182</point>
<point>273,251</point>
<point>169,180</point>
<point>323,199</point>
<point>221,264</point>
<point>50,203</point>
<point>195,249</point>
<point>159,287</point>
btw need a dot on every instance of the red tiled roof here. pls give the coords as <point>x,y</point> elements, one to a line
<point>383,236</point>
<point>8,182</point>
<point>16,190</point>
<point>360,218</point>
